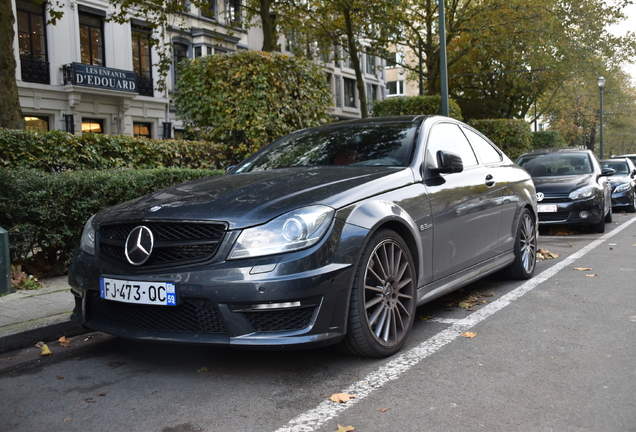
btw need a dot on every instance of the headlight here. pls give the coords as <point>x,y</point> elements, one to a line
<point>292,231</point>
<point>584,192</point>
<point>622,188</point>
<point>87,244</point>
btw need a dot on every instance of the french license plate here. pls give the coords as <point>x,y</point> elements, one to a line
<point>546,208</point>
<point>140,292</point>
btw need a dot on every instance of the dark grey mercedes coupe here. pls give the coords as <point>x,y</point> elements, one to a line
<point>328,235</point>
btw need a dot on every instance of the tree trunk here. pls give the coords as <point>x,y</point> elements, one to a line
<point>268,23</point>
<point>10,112</point>
<point>353,54</point>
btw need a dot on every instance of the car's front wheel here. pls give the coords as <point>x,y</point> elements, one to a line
<point>383,297</point>
<point>525,248</point>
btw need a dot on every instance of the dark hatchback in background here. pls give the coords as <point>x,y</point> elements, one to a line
<point>571,187</point>
<point>623,184</point>
<point>328,235</point>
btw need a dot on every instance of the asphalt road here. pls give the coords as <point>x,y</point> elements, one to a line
<point>555,353</point>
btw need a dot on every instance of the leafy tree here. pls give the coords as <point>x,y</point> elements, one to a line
<point>249,98</point>
<point>10,112</point>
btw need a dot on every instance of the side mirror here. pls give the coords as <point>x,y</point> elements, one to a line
<point>448,162</point>
<point>606,172</point>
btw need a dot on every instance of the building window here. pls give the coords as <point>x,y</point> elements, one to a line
<point>371,64</point>
<point>142,129</point>
<point>209,50</point>
<point>395,59</point>
<point>32,42</point>
<point>36,123</point>
<point>350,92</point>
<point>92,125</point>
<point>209,9</point>
<point>198,51</point>
<point>142,63</point>
<point>179,53</point>
<point>395,88</point>
<point>233,11</point>
<point>92,39</point>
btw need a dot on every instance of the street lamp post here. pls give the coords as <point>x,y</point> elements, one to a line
<point>601,86</point>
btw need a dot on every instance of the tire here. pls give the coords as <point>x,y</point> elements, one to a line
<point>600,226</point>
<point>525,248</point>
<point>632,208</point>
<point>383,298</point>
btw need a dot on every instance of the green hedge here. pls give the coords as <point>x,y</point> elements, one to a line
<point>59,151</point>
<point>45,213</point>
<point>512,136</point>
<point>547,139</point>
<point>415,105</point>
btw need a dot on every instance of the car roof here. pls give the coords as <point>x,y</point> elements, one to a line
<point>557,150</point>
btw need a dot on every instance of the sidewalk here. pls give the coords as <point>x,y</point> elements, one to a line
<point>27,317</point>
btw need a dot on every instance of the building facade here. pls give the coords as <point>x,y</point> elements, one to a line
<point>89,74</point>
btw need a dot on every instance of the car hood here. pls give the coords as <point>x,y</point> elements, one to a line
<point>616,180</point>
<point>248,199</point>
<point>563,184</point>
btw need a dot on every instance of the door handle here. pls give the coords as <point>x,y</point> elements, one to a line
<point>490,182</point>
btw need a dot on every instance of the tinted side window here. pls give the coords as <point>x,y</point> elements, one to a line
<point>448,137</point>
<point>487,153</point>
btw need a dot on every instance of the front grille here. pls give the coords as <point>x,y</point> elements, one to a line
<point>554,217</point>
<point>551,197</point>
<point>175,242</point>
<point>284,320</point>
<point>190,316</point>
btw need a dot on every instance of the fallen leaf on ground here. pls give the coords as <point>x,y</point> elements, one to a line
<point>90,400</point>
<point>341,397</point>
<point>426,318</point>
<point>100,394</point>
<point>67,419</point>
<point>345,428</point>
<point>383,409</point>
<point>469,335</point>
<point>60,377</point>
<point>544,254</point>
<point>64,342</point>
<point>590,275</point>
<point>203,369</point>
<point>583,269</point>
<point>115,364</point>
<point>45,351</point>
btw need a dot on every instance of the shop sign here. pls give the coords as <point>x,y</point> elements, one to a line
<point>100,77</point>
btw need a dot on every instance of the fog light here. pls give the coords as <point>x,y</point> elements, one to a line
<point>584,215</point>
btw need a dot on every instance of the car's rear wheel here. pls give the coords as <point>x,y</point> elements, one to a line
<point>525,248</point>
<point>383,297</point>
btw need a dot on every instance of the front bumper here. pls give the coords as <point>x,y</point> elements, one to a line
<point>573,212</point>
<point>293,299</point>
<point>623,199</point>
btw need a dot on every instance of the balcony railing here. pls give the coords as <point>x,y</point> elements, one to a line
<point>145,86</point>
<point>35,71</point>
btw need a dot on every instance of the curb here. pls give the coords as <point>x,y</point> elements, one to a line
<point>46,333</point>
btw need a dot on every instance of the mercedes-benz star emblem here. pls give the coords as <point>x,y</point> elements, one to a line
<point>540,196</point>
<point>139,245</point>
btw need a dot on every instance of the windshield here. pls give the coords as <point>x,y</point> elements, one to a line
<point>371,144</point>
<point>618,166</point>
<point>556,164</point>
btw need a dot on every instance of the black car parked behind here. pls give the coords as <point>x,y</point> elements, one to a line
<point>623,184</point>
<point>571,187</point>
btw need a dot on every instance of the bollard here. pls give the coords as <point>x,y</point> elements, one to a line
<point>5,263</point>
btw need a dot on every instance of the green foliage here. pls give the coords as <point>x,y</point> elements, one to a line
<point>415,105</point>
<point>513,137</point>
<point>547,139</point>
<point>58,151</point>
<point>247,99</point>
<point>45,213</point>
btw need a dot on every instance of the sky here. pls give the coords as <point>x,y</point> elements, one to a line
<point>628,25</point>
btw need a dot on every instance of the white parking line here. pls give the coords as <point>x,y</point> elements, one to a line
<point>311,420</point>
